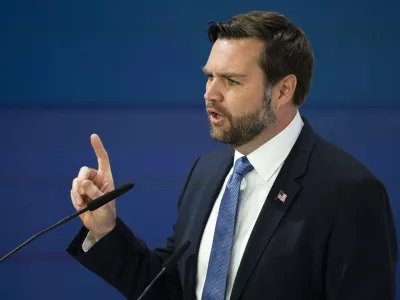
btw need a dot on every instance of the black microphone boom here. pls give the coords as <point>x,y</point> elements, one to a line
<point>95,204</point>
<point>102,200</point>
<point>170,261</point>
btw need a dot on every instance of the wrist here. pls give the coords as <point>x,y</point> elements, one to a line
<point>98,235</point>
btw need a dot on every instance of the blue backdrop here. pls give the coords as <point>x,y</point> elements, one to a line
<point>131,72</point>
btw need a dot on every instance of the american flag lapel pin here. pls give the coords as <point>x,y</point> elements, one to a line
<point>281,196</point>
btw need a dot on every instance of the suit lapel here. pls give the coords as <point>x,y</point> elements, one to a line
<point>205,198</point>
<point>274,208</point>
<point>211,188</point>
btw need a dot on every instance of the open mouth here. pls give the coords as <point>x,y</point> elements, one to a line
<point>215,117</point>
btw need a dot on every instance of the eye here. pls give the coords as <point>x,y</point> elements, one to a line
<point>232,82</point>
<point>209,77</point>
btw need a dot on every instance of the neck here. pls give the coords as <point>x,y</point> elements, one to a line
<point>268,133</point>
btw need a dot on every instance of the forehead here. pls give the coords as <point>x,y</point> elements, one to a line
<point>234,55</point>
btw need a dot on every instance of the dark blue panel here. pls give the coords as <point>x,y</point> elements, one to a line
<point>141,53</point>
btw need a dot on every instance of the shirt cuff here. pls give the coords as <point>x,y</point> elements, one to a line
<point>88,242</point>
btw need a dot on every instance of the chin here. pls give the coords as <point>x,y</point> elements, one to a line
<point>217,133</point>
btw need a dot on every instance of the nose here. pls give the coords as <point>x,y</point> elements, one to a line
<point>213,91</point>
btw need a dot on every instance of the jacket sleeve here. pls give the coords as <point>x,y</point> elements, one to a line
<point>362,251</point>
<point>124,261</point>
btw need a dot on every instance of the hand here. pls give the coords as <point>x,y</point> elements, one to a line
<point>91,184</point>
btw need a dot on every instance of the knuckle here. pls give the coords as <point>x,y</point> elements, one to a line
<point>89,188</point>
<point>87,183</point>
<point>93,192</point>
<point>83,171</point>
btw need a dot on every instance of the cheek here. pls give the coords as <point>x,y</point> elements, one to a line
<point>244,101</point>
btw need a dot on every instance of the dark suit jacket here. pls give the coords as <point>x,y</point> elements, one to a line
<point>333,238</point>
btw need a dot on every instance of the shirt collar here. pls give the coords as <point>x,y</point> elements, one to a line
<point>270,156</point>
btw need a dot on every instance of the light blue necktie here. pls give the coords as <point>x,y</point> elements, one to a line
<point>218,266</point>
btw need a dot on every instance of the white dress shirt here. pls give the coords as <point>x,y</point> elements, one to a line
<point>267,161</point>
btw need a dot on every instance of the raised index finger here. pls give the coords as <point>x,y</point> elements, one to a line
<point>101,153</point>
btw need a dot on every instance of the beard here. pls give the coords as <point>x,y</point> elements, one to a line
<point>246,127</point>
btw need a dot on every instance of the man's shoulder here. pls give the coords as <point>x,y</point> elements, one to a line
<point>220,156</point>
<point>334,160</point>
<point>219,152</point>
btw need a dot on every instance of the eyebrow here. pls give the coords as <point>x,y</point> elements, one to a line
<point>226,74</point>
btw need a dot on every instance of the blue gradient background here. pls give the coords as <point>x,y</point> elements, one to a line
<point>131,72</point>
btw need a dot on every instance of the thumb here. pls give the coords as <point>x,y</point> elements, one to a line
<point>91,190</point>
<point>101,153</point>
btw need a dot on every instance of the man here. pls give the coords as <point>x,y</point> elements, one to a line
<point>277,213</point>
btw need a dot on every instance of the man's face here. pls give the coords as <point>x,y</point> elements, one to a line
<point>237,101</point>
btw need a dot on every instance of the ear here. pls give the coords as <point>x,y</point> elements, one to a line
<point>285,90</point>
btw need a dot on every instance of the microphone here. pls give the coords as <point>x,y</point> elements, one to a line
<point>170,261</point>
<point>95,204</point>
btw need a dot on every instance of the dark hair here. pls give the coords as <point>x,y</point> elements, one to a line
<point>286,51</point>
